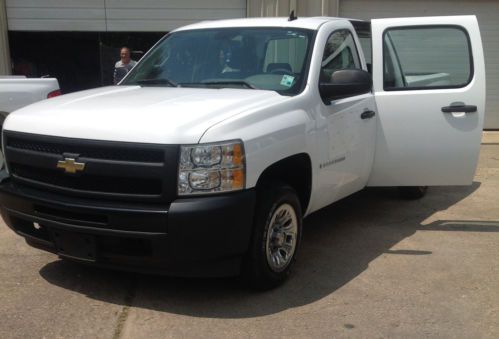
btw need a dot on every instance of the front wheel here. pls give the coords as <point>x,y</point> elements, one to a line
<point>276,237</point>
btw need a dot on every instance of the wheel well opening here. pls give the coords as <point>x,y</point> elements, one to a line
<point>295,171</point>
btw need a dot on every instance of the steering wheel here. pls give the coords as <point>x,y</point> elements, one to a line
<point>281,71</point>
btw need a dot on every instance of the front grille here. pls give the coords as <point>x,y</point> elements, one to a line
<point>89,151</point>
<point>92,183</point>
<point>113,170</point>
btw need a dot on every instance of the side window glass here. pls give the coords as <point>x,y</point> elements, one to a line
<point>340,53</point>
<point>366,45</point>
<point>426,57</point>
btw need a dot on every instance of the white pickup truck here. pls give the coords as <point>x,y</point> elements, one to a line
<point>207,156</point>
<point>19,91</point>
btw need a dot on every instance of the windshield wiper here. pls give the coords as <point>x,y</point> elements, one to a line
<point>159,81</point>
<point>221,82</point>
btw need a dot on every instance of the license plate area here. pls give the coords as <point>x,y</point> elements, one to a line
<point>75,245</point>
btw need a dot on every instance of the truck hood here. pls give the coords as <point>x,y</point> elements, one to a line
<point>161,115</point>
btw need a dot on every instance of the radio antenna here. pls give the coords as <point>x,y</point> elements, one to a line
<point>292,16</point>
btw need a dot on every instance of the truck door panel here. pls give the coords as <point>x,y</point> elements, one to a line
<point>345,166</point>
<point>429,83</point>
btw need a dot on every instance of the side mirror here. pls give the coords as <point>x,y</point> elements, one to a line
<point>345,83</point>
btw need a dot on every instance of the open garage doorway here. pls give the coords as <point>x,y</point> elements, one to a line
<point>79,60</point>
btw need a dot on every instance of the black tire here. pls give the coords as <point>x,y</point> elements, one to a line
<point>3,116</point>
<point>260,271</point>
<point>412,192</point>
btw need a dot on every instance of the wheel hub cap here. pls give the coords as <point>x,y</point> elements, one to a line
<point>281,237</point>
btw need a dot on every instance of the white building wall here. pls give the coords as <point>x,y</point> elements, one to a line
<point>161,15</point>
<point>116,15</point>
<point>56,15</point>
<point>4,42</point>
<point>269,8</point>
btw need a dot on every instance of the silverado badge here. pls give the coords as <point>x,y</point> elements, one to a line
<point>70,165</point>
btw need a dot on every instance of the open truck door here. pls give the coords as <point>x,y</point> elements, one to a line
<point>429,84</point>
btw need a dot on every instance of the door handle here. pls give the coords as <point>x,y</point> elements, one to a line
<point>459,109</point>
<point>367,114</point>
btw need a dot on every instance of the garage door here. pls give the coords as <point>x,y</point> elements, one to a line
<point>116,15</point>
<point>486,11</point>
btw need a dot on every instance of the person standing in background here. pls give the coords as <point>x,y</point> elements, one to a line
<point>124,65</point>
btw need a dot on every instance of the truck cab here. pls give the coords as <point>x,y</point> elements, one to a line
<point>209,153</point>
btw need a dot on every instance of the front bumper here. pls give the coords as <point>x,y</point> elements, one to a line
<point>203,236</point>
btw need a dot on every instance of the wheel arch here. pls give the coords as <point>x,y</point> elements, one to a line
<point>296,171</point>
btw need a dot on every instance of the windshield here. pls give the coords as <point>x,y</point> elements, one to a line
<point>253,58</point>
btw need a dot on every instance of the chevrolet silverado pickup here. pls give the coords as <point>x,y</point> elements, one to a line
<point>207,156</point>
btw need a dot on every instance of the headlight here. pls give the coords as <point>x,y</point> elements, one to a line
<point>211,168</point>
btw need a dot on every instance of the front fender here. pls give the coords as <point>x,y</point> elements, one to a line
<point>269,135</point>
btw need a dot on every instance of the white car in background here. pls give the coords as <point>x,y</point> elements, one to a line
<point>19,91</point>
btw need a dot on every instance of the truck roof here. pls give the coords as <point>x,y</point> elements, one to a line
<point>301,22</point>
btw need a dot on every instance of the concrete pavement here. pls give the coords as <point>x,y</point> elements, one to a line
<point>490,137</point>
<point>371,265</point>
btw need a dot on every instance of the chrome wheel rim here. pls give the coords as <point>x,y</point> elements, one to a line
<point>281,237</point>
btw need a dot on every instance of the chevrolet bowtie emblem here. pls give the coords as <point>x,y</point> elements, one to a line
<point>69,165</point>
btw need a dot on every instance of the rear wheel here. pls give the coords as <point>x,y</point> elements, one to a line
<point>412,192</point>
<point>276,236</point>
<point>3,116</point>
